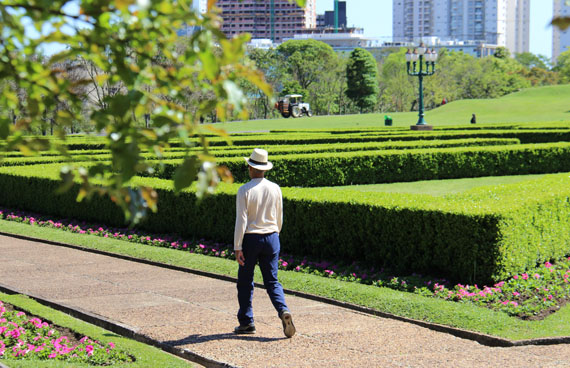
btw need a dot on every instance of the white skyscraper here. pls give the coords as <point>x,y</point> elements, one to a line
<point>498,22</point>
<point>560,39</point>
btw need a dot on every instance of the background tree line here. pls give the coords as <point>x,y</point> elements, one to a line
<point>333,83</point>
<point>314,70</point>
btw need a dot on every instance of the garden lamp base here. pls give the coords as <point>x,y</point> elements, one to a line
<point>421,127</point>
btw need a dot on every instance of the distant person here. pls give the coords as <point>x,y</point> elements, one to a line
<point>444,101</point>
<point>473,119</point>
<point>259,216</point>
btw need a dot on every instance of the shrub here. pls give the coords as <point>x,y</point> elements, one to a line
<point>479,236</point>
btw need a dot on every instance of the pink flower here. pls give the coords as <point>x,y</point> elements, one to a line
<point>285,264</point>
<point>536,276</point>
<point>89,349</point>
<point>515,293</point>
<point>111,345</point>
<point>525,276</point>
<point>516,277</point>
<point>297,268</point>
<point>548,265</point>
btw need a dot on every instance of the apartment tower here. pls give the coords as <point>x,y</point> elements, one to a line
<point>276,19</point>
<point>560,39</point>
<point>499,22</point>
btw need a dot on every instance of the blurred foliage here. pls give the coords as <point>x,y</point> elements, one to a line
<point>142,71</point>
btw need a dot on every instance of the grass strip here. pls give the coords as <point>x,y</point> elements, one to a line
<point>460,315</point>
<point>145,355</point>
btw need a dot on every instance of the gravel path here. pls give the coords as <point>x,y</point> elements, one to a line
<point>198,313</point>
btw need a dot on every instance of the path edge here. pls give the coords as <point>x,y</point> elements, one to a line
<point>118,328</point>
<point>481,338</point>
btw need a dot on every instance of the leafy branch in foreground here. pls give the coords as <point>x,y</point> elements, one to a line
<point>142,72</point>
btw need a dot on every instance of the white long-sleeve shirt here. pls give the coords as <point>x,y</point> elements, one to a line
<point>259,209</point>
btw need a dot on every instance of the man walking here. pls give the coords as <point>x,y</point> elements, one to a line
<point>259,216</point>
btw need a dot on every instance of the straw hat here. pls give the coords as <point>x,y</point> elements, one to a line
<point>258,160</point>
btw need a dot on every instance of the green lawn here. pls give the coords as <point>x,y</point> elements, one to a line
<point>441,187</point>
<point>540,104</point>
<point>461,315</point>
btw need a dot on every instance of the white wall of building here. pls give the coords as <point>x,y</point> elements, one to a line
<point>499,22</point>
<point>560,39</point>
<point>398,21</point>
<point>311,14</point>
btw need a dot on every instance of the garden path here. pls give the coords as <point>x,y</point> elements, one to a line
<point>197,313</point>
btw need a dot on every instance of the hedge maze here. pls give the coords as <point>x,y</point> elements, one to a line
<point>479,235</point>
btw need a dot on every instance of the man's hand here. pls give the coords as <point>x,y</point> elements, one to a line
<point>240,258</point>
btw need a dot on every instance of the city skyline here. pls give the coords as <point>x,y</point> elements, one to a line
<point>375,16</point>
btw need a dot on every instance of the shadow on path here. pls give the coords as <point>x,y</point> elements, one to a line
<point>198,339</point>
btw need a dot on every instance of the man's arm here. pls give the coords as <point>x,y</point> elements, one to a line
<point>240,226</point>
<point>280,211</point>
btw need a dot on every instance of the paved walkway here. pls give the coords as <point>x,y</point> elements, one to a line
<point>198,313</point>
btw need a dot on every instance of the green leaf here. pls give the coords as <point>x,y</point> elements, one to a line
<point>185,174</point>
<point>209,63</point>
<point>4,128</point>
<point>561,22</point>
<point>119,105</point>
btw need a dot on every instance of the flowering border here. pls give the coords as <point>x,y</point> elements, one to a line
<point>524,296</point>
<point>23,337</point>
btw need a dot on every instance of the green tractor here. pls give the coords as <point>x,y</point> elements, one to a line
<point>293,105</point>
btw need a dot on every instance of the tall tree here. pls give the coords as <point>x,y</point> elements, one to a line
<point>530,60</point>
<point>362,79</point>
<point>306,60</point>
<point>563,66</point>
<point>311,64</point>
<point>502,53</point>
<point>398,91</point>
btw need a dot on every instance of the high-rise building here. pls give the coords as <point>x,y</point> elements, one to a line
<point>329,16</point>
<point>498,22</point>
<point>276,19</point>
<point>560,39</point>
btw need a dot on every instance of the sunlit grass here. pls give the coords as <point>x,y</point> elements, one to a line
<point>540,104</point>
<point>441,187</point>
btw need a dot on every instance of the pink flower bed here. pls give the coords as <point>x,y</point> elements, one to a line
<point>23,337</point>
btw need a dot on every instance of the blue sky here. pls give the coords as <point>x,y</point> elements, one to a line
<point>375,16</point>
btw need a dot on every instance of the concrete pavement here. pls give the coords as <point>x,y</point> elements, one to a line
<point>196,314</point>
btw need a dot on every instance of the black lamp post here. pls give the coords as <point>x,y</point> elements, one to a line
<point>425,58</point>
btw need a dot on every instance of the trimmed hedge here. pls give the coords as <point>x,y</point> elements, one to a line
<point>388,166</point>
<point>524,135</point>
<point>237,151</point>
<point>479,236</point>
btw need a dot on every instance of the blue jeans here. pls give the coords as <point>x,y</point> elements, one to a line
<point>265,248</point>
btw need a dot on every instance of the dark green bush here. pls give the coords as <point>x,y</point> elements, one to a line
<point>482,235</point>
<point>389,166</point>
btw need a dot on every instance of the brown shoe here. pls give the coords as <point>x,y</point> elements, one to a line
<point>288,326</point>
